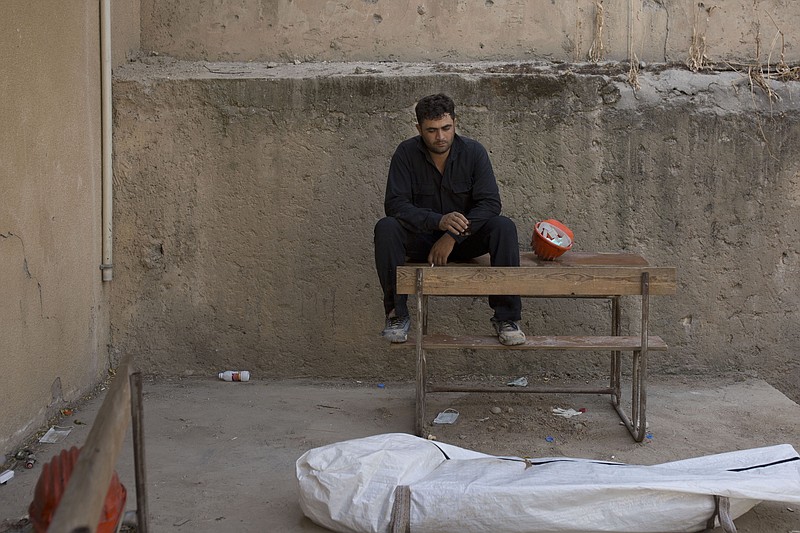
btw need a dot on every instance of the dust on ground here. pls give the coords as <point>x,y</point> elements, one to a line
<point>221,455</point>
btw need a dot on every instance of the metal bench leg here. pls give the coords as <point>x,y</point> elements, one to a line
<point>422,372</point>
<point>638,397</point>
<point>137,410</point>
<point>639,387</point>
<point>637,423</point>
<point>616,356</point>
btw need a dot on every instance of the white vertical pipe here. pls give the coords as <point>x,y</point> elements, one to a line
<point>630,32</point>
<point>105,76</point>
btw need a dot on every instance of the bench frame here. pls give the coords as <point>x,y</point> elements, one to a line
<point>570,281</point>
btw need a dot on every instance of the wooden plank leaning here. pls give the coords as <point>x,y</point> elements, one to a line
<point>81,504</point>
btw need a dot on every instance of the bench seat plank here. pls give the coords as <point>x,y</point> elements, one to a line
<point>578,281</point>
<point>585,343</point>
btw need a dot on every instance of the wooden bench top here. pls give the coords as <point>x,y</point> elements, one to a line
<point>580,274</point>
<point>577,343</point>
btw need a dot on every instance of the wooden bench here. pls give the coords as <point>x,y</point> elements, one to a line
<point>573,275</point>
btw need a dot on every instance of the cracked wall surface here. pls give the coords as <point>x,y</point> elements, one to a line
<point>248,193</point>
<point>53,313</point>
<point>733,31</point>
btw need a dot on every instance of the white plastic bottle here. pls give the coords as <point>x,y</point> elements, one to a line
<point>235,375</point>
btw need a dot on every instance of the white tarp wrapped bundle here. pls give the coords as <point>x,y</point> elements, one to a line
<point>350,487</point>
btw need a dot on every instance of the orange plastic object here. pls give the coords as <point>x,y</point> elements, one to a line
<point>547,249</point>
<point>50,488</point>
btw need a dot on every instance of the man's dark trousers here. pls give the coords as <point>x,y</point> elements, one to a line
<point>394,243</point>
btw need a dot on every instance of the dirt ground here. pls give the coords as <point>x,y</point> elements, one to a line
<point>220,456</point>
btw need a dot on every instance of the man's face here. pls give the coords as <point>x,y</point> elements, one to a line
<point>438,134</point>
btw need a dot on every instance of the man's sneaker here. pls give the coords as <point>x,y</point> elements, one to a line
<point>396,329</point>
<point>508,332</point>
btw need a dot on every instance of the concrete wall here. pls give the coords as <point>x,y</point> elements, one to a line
<point>247,196</point>
<point>125,31</point>
<point>54,316</point>
<point>459,30</point>
<point>246,205</point>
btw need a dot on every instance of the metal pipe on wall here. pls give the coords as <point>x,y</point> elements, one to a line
<point>105,76</point>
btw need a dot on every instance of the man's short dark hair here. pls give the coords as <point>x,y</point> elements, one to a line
<point>434,107</point>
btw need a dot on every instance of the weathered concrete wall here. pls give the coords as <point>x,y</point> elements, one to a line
<point>247,196</point>
<point>53,312</point>
<point>125,31</point>
<point>458,30</point>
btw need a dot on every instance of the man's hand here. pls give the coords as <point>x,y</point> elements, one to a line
<point>441,250</point>
<point>455,222</point>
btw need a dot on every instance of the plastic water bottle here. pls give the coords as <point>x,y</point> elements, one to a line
<point>235,375</point>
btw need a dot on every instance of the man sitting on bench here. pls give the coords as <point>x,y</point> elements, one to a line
<point>442,204</point>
